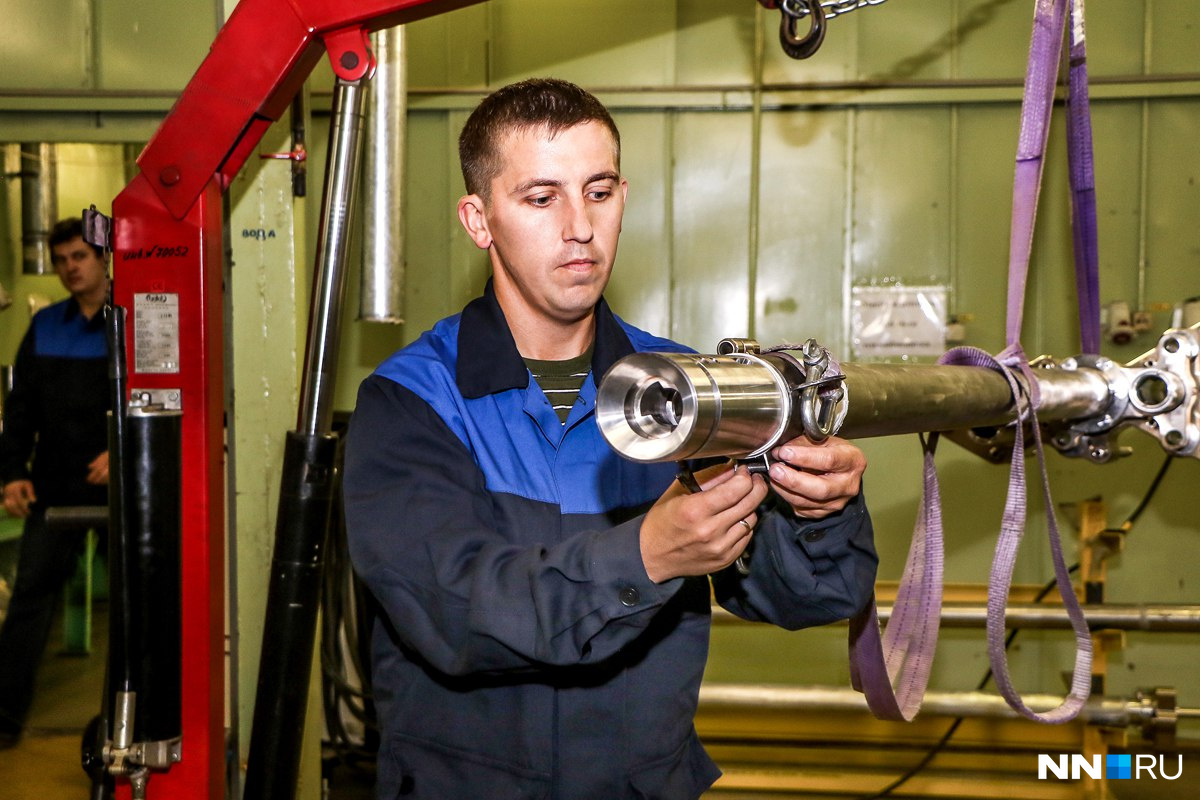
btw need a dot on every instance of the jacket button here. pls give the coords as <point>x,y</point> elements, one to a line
<point>814,536</point>
<point>630,596</point>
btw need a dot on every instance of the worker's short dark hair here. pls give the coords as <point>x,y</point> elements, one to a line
<point>538,102</point>
<point>67,229</point>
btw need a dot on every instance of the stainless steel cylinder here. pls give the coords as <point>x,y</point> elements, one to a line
<point>39,205</point>
<point>672,406</point>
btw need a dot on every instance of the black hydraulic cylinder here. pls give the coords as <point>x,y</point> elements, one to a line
<point>145,567</point>
<point>154,464</point>
<point>293,600</point>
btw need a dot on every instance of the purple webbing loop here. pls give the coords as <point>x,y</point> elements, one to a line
<point>1045,53</point>
<point>893,671</point>
<point>1012,530</point>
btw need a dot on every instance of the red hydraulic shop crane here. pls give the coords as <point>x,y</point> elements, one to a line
<point>167,242</point>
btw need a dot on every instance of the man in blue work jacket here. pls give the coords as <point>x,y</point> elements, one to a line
<point>53,452</point>
<point>546,603</point>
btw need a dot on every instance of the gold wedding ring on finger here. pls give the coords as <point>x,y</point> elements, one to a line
<point>749,527</point>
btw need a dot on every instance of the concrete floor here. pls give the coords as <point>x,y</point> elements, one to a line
<point>45,764</point>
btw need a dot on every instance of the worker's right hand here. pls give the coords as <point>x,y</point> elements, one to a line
<point>698,534</point>
<point>18,495</point>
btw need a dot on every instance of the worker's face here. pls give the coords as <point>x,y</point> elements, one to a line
<point>79,268</point>
<point>552,223</point>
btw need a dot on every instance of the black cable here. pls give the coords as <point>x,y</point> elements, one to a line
<point>941,743</point>
<point>341,621</point>
<point>1137,512</point>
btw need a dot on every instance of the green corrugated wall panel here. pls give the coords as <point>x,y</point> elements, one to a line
<point>1118,145</point>
<point>620,42</point>
<point>1173,213</point>
<point>802,225</point>
<point>46,45</point>
<point>449,49</point>
<point>152,38</point>
<point>640,290</point>
<point>1175,29</point>
<point>992,38</point>
<point>986,147</point>
<point>1115,41</point>
<point>901,196</point>
<point>903,41</point>
<point>710,200</point>
<point>713,42</point>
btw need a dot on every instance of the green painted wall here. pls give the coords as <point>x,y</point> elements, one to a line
<point>762,190</point>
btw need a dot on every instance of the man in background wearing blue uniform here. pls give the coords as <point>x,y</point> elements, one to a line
<point>53,452</point>
<point>546,603</point>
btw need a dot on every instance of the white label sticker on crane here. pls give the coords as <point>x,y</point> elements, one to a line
<point>156,332</point>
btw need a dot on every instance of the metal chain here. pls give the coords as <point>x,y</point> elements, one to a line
<point>832,8</point>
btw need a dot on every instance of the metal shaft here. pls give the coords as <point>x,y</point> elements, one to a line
<point>1158,618</point>
<point>1111,712</point>
<point>887,399</point>
<point>1043,616</point>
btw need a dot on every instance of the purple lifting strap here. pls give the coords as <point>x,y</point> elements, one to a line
<point>893,670</point>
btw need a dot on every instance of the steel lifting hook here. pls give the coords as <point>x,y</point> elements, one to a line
<point>791,12</point>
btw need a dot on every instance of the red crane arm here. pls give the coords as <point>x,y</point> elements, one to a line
<point>258,62</point>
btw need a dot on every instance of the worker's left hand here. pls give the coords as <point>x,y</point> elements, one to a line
<point>98,470</point>
<point>817,479</point>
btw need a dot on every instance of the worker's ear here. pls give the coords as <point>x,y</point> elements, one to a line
<point>473,216</point>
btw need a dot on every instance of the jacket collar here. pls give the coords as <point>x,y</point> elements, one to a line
<point>71,310</point>
<point>488,359</point>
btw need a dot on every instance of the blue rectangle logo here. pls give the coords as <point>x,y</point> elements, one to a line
<point>1118,766</point>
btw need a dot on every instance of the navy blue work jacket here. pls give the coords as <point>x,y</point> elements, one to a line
<point>523,651</point>
<point>57,412</point>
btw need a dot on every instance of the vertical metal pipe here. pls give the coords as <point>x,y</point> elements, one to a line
<point>382,297</point>
<point>39,205</point>
<point>754,201</point>
<point>333,238</point>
